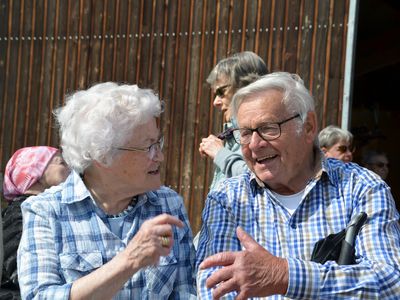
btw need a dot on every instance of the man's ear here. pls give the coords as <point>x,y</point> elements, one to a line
<point>311,127</point>
<point>324,149</point>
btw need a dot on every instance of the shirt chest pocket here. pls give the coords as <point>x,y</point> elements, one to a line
<point>160,279</point>
<point>76,265</point>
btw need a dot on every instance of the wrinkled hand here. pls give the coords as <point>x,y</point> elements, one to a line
<point>210,146</point>
<point>253,272</point>
<point>146,246</point>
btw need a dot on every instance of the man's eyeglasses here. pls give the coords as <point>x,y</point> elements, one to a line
<point>152,150</point>
<point>220,91</point>
<point>268,131</point>
<point>344,149</point>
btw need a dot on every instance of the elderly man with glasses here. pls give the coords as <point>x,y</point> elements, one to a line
<point>259,229</point>
<point>111,230</point>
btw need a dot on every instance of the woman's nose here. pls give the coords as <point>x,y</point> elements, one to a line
<point>217,101</point>
<point>159,155</point>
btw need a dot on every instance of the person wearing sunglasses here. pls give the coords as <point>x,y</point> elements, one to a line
<point>337,143</point>
<point>111,230</point>
<point>377,161</point>
<point>259,229</point>
<point>225,79</point>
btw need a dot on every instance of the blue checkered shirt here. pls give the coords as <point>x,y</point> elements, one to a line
<point>330,200</point>
<point>66,237</point>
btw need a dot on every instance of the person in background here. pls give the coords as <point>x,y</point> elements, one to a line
<point>376,161</point>
<point>225,79</point>
<point>259,229</point>
<point>30,171</point>
<point>337,143</point>
<point>1,235</point>
<point>110,230</point>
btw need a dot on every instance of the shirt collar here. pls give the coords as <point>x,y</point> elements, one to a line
<point>74,190</point>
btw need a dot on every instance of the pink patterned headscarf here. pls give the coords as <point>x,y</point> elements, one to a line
<point>25,168</point>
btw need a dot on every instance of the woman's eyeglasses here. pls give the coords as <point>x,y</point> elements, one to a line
<point>220,91</point>
<point>344,149</point>
<point>380,164</point>
<point>227,134</point>
<point>151,150</point>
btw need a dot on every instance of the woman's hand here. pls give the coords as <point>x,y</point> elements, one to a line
<point>154,239</point>
<point>210,146</point>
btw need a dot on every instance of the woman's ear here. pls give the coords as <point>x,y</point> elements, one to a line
<point>324,149</point>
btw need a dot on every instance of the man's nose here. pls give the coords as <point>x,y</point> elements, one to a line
<point>256,141</point>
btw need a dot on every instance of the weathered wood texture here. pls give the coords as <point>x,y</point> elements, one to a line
<point>52,47</point>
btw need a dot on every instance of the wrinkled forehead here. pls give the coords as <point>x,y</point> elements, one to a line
<point>262,107</point>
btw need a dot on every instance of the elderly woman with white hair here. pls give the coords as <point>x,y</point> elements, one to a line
<point>110,230</point>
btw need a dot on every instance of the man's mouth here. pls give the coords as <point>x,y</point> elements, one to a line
<point>265,158</point>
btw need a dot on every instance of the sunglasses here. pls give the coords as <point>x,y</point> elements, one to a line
<point>380,164</point>
<point>220,91</point>
<point>227,134</point>
<point>344,149</point>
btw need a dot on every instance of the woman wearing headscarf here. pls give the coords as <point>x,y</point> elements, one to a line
<point>29,172</point>
<point>110,230</point>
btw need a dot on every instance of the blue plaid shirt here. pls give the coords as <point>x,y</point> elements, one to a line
<point>337,193</point>
<point>65,237</point>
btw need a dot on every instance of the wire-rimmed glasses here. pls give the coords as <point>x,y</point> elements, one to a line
<point>151,150</point>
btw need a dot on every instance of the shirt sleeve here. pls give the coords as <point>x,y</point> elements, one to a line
<point>38,262</point>
<point>230,162</point>
<point>218,234</point>
<point>185,283</point>
<point>376,274</point>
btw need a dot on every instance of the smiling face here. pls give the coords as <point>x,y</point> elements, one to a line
<point>286,163</point>
<point>133,172</point>
<point>223,93</point>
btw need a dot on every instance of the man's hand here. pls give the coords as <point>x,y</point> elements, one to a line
<point>253,272</point>
<point>210,146</point>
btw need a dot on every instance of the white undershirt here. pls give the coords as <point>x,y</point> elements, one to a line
<point>290,202</point>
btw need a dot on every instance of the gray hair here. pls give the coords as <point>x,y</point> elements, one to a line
<point>331,135</point>
<point>296,97</point>
<point>94,121</point>
<point>240,69</point>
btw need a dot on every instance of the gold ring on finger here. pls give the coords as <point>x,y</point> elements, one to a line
<point>165,241</point>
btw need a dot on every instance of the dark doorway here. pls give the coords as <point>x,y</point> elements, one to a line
<point>376,94</point>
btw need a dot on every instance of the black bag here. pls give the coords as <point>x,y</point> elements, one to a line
<point>339,246</point>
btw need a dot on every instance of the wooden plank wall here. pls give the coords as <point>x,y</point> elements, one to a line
<point>52,47</point>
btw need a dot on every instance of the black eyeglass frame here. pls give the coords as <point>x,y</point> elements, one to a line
<point>221,90</point>
<point>343,149</point>
<point>237,135</point>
